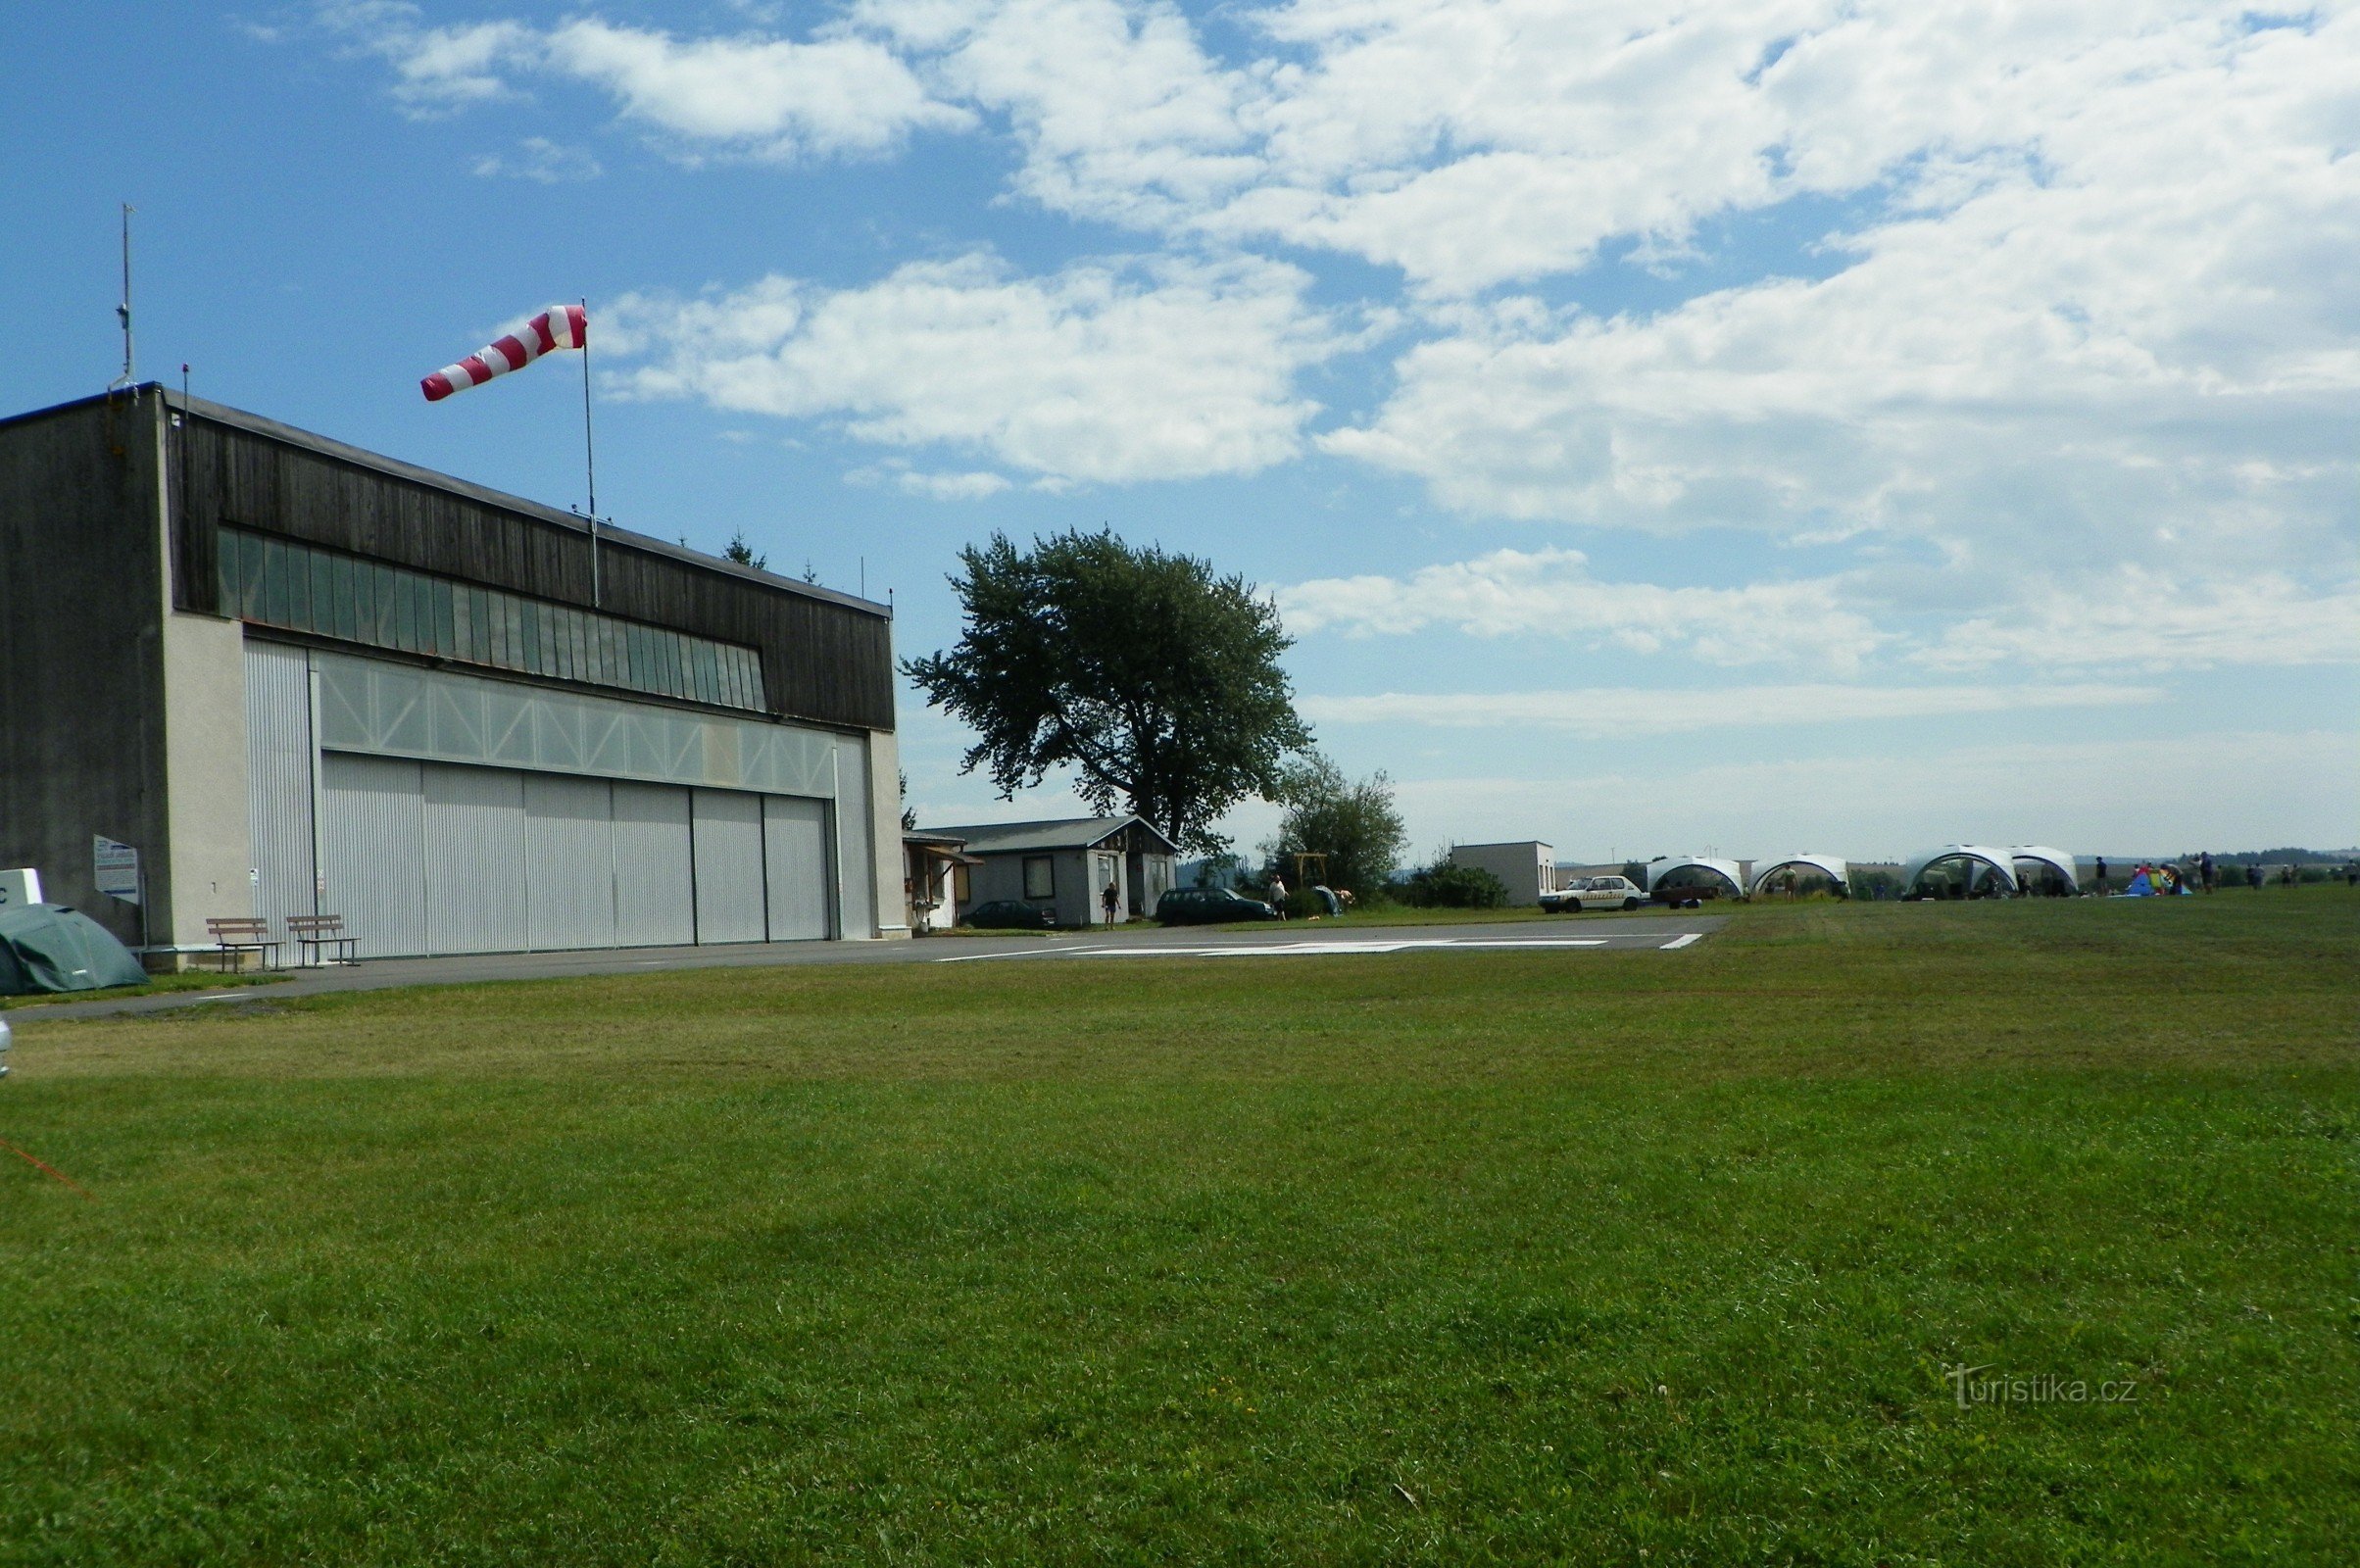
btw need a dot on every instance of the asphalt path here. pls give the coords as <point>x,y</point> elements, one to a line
<point>1573,935</point>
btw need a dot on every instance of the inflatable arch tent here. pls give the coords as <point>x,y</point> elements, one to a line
<point>1831,866</point>
<point>1976,869</point>
<point>54,947</point>
<point>2041,870</point>
<point>1719,879</point>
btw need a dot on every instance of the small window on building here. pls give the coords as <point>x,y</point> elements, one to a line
<point>958,886</point>
<point>1040,878</point>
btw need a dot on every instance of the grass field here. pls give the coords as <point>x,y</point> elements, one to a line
<point>1607,1256</point>
<point>192,980</point>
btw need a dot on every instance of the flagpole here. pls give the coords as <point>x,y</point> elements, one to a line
<point>589,454</point>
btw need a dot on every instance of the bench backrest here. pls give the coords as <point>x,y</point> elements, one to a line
<point>235,926</point>
<point>315,925</point>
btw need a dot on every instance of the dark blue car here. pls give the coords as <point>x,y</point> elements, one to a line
<point>1209,906</point>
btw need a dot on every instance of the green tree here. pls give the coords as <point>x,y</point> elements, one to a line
<point>742,551</point>
<point>1355,825</point>
<point>1152,677</point>
<point>1446,885</point>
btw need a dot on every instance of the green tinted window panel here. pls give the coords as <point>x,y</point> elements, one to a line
<point>249,573</point>
<point>323,608</point>
<point>276,582</point>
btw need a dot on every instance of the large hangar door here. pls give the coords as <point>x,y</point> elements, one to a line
<point>795,853</point>
<point>475,859</point>
<point>655,874</point>
<point>853,808</point>
<point>728,825</point>
<point>278,781</point>
<point>372,845</point>
<point>568,862</point>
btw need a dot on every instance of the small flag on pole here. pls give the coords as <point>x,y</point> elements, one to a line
<point>560,327</point>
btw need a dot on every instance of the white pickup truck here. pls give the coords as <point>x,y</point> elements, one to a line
<point>1593,893</point>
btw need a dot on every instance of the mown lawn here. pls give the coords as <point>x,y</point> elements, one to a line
<point>1635,1257</point>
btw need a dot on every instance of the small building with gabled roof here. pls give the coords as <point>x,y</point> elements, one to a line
<point>1062,865</point>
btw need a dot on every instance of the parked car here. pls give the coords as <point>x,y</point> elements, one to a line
<point>1010,915</point>
<point>1209,906</point>
<point>1592,893</point>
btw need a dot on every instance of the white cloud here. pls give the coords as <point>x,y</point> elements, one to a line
<point>539,159</point>
<point>970,486</point>
<point>771,96</point>
<point>1602,713</point>
<point>2141,620</point>
<point>436,69</point>
<point>2080,308</point>
<point>1121,114</point>
<point>1550,591</point>
<point>1102,372</point>
<point>765,97</point>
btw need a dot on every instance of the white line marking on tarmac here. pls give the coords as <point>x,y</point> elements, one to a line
<point>1275,949</point>
<point>1680,941</point>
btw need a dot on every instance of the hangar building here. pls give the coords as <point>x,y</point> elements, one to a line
<point>301,679</point>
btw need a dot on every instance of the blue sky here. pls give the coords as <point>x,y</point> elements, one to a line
<point>1753,427</point>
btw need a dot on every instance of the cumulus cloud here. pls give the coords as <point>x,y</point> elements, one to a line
<point>2078,307</point>
<point>2142,620</point>
<point>1598,712</point>
<point>1121,114</point>
<point>1106,371</point>
<point>973,486</point>
<point>435,70</point>
<point>540,160</point>
<point>761,96</point>
<point>1551,593</point>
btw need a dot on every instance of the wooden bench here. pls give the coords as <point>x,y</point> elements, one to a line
<point>318,932</point>
<point>239,935</point>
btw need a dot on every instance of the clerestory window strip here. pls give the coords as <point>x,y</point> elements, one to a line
<point>279,582</point>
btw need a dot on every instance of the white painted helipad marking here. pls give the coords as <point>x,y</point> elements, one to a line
<point>1680,941</point>
<point>1279,948</point>
<point>225,996</point>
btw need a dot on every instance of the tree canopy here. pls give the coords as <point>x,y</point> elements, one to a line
<point>1355,825</point>
<point>1151,676</point>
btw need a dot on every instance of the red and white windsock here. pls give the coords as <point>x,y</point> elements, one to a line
<point>560,327</point>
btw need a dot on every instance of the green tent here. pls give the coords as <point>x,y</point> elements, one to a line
<point>50,947</point>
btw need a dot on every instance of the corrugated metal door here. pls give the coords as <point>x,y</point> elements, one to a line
<point>854,810</point>
<point>278,781</point>
<point>655,877</point>
<point>373,852</point>
<point>476,899</point>
<point>568,862</point>
<point>728,827</point>
<point>795,854</point>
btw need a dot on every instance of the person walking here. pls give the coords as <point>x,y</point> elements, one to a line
<point>2206,870</point>
<point>1278,894</point>
<point>2104,887</point>
<point>1107,899</point>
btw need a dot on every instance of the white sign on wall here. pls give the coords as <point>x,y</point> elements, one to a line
<point>116,867</point>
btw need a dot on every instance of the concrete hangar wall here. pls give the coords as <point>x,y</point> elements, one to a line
<point>304,679</point>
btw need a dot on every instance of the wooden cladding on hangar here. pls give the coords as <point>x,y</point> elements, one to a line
<point>821,657</point>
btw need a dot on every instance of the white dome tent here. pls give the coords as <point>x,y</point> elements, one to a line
<point>1724,879</point>
<point>1983,872</point>
<point>1832,866</point>
<point>2041,870</point>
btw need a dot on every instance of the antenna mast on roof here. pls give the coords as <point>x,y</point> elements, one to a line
<point>123,311</point>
